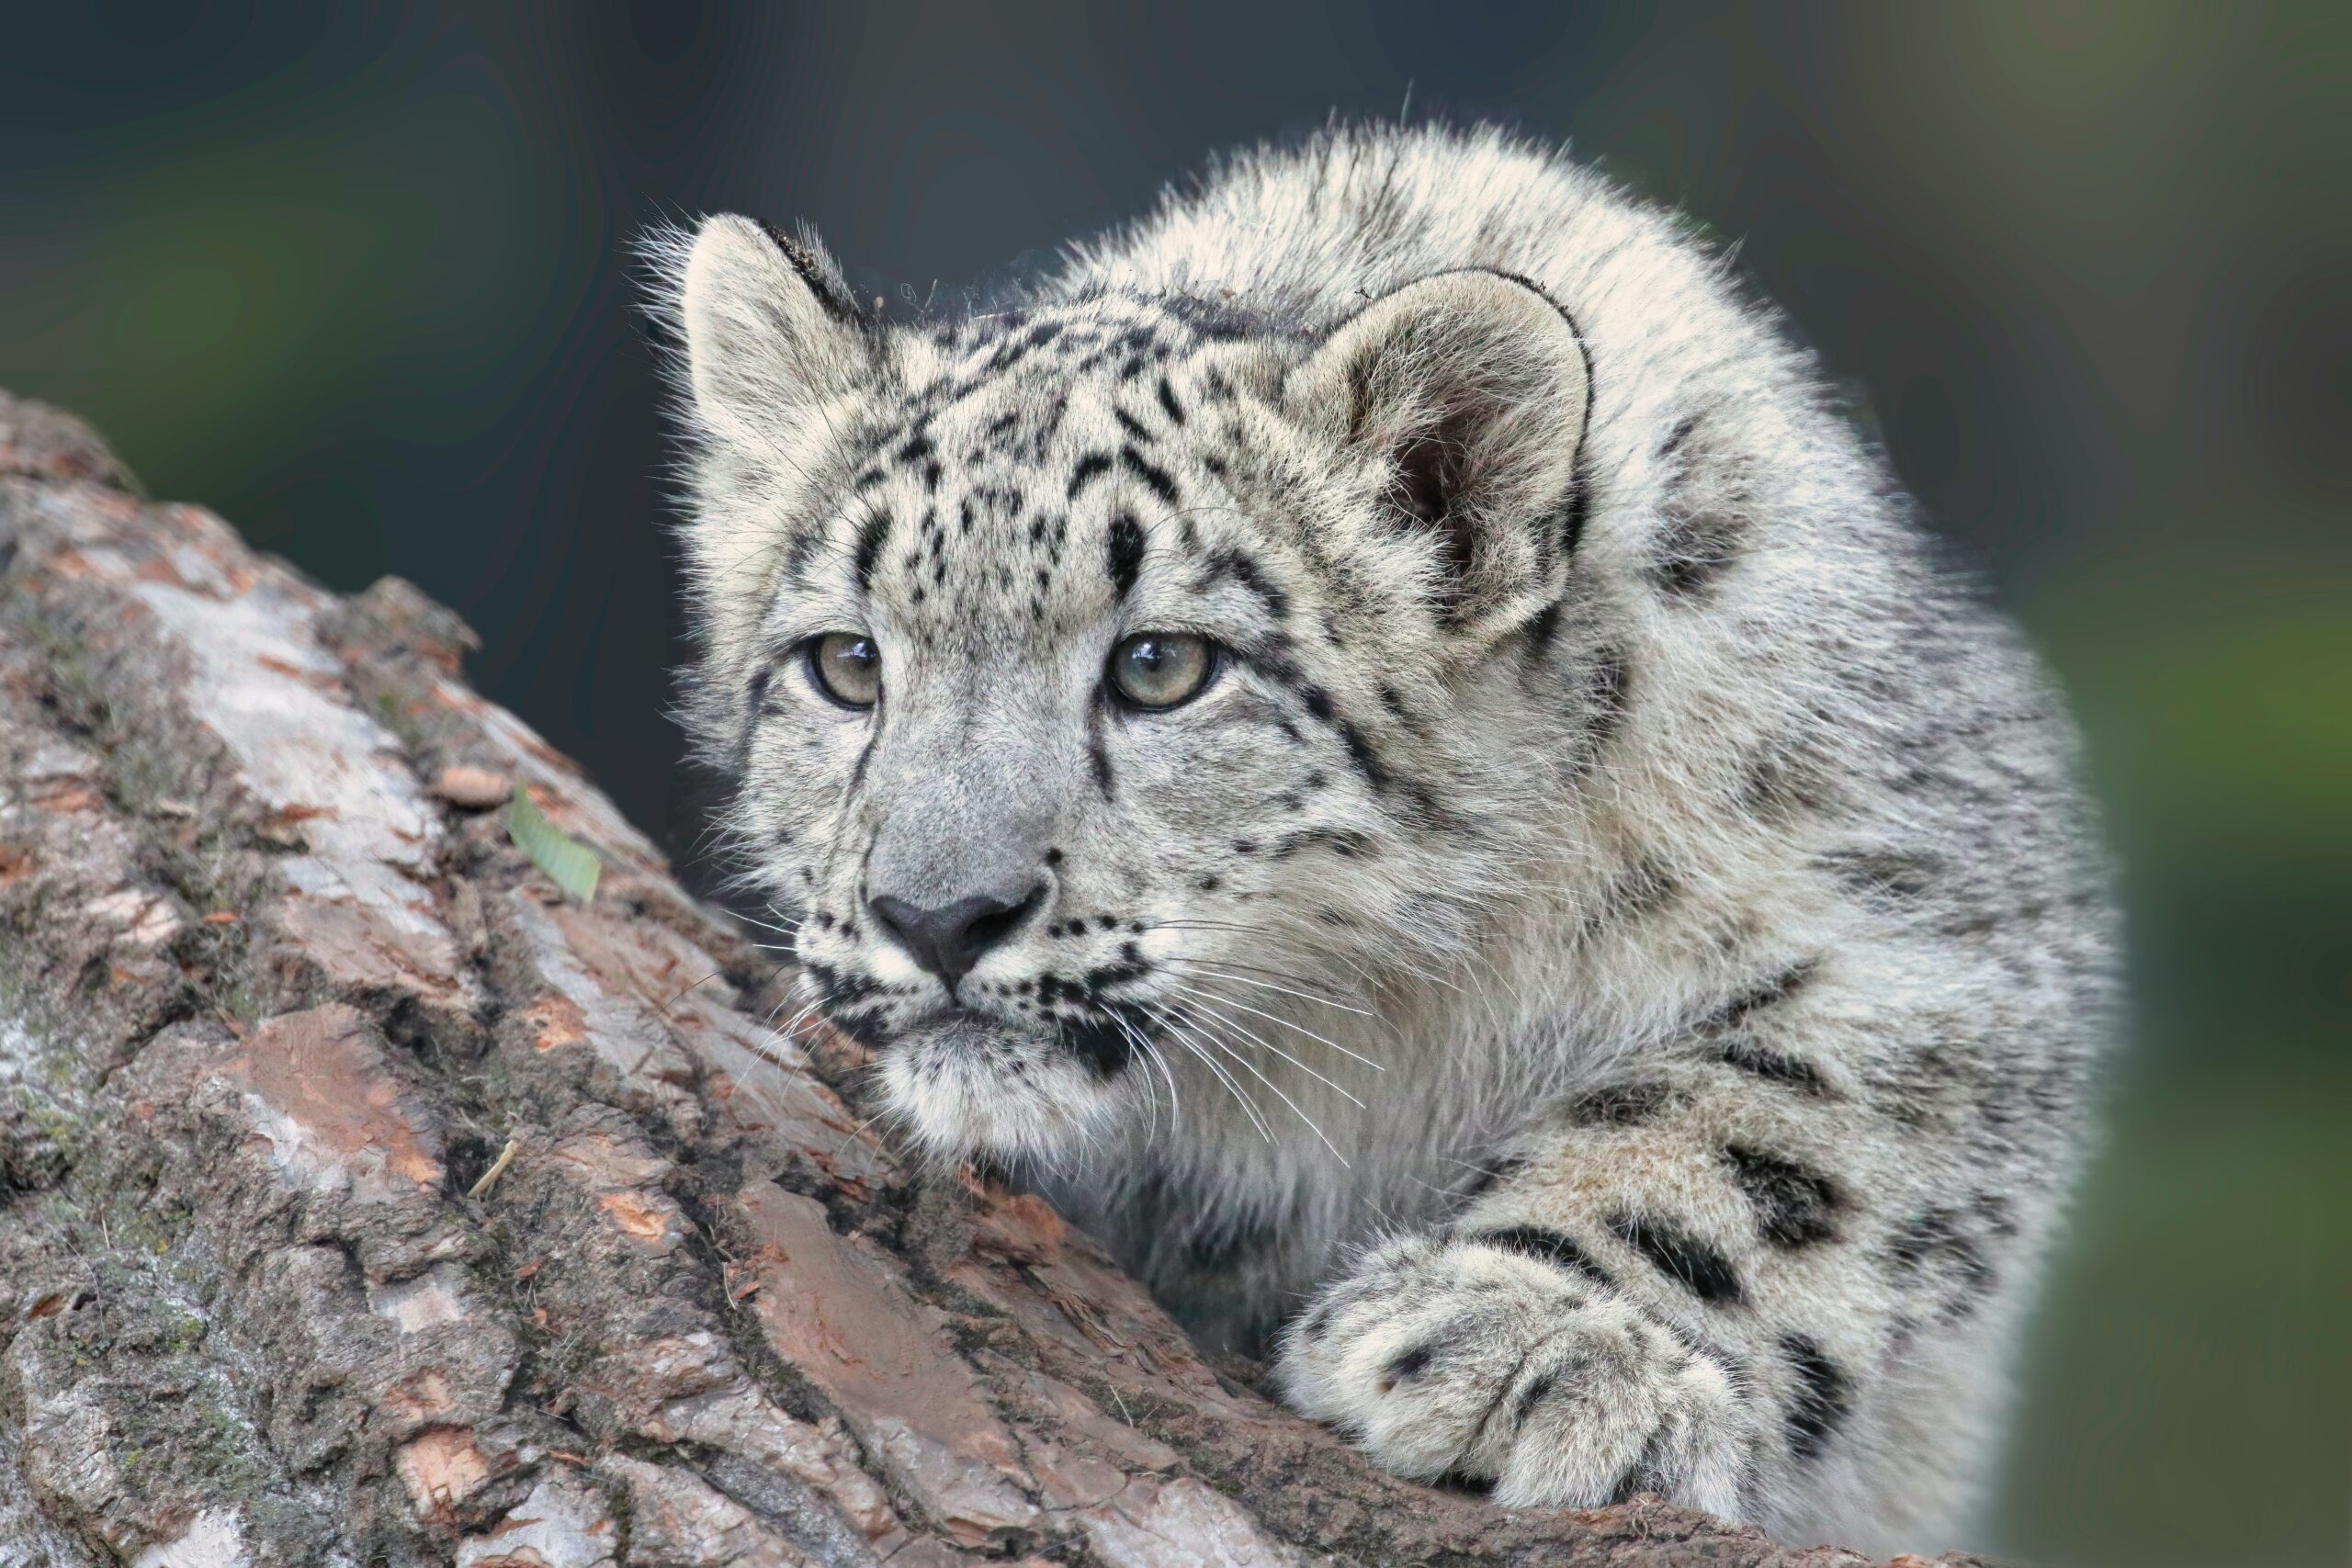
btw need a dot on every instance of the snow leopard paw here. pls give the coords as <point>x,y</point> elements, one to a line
<point>1483,1359</point>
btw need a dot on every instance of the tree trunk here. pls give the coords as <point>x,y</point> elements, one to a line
<point>363,1199</point>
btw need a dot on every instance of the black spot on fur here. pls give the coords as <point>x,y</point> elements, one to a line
<point>1819,1404</point>
<point>1130,966</point>
<point>1246,571</point>
<point>1126,552</point>
<point>1546,1247</point>
<point>1793,1204</point>
<point>1695,548</point>
<point>1092,467</point>
<point>1361,752</point>
<point>1774,1066</point>
<point>1345,843</point>
<point>1885,875</point>
<point>1154,477</point>
<point>1948,1247</point>
<point>1133,426</point>
<point>1764,994</point>
<point>870,539</point>
<point>1174,410</point>
<point>1680,434</point>
<point>1407,1364</point>
<point>1102,1045</point>
<point>1700,1269</point>
<point>1619,1105</point>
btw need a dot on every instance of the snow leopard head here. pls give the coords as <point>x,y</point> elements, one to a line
<point>1104,681</point>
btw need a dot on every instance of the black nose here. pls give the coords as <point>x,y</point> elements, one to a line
<point>949,940</point>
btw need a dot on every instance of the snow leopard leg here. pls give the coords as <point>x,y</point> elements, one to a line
<point>1716,1276</point>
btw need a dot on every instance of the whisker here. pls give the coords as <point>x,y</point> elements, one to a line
<point>1251,1067</point>
<point>1185,1038</point>
<point>1260,1040</point>
<point>1295,1028</point>
<point>1194,966</point>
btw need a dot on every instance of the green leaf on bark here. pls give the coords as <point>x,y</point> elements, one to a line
<point>569,864</point>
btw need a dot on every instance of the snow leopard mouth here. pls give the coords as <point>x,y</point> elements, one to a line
<point>1103,1038</point>
<point>965,1082</point>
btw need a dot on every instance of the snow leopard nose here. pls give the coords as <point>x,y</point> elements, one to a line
<point>949,939</point>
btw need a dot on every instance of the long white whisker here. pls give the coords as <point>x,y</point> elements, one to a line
<point>1316,998</point>
<point>1295,1028</point>
<point>1189,1041</point>
<point>1295,1109</point>
<point>1196,1000</point>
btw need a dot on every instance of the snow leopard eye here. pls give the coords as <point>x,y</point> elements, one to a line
<point>1161,669</point>
<point>846,667</point>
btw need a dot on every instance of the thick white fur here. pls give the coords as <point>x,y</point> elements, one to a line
<point>1713,880</point>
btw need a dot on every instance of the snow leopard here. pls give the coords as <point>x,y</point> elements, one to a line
<point>1379,737</point>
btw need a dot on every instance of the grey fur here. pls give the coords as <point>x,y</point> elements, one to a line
<point>1664,891</point>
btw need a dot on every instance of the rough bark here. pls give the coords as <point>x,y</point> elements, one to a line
<point>276,995</point>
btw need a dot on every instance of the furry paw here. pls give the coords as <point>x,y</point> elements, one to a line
<point>1455,1357</point>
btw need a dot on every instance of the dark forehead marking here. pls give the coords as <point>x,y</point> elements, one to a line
<point>1157,479</point>
<point>1245,570</point>
<point>1092,467</point>
<point>1125,552</point>
<point>870,538</point>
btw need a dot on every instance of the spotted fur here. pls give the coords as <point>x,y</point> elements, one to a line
<point>1618,938</point>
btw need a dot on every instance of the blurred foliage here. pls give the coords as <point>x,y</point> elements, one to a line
<point>357,277</point>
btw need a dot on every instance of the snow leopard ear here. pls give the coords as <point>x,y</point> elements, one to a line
<point>771,332</point>
<point>1471,388</point>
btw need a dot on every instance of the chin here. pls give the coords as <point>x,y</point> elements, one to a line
<point>969,1087</point>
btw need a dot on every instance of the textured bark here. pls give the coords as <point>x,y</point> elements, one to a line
<point>277,993</point>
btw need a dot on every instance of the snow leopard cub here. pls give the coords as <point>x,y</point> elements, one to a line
<point>1381,738</point>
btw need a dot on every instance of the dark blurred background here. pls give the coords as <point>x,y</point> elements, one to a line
<point>359,278</point>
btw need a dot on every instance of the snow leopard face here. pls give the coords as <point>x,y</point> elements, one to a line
<point>1096,677</point>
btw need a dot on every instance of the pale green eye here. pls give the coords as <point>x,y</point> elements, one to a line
<point>1159,669</point>
<point>847,667</point>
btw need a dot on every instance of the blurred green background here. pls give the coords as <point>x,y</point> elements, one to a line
<point>357,277</point>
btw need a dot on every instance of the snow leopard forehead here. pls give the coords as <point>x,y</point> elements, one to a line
<point>1035,463</point>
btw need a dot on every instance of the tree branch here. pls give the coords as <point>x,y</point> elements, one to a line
<point>277,996</point>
